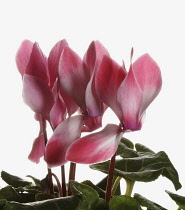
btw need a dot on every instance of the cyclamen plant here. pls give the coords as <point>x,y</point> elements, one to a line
<point>71,95</point>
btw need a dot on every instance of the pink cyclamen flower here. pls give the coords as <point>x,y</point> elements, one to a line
<point>41,91</point>
<point>77,78</point>
<point>128,95</point>
<point>39,75</point>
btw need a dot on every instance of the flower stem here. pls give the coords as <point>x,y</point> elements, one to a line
<point>110,178</point>
<point>49,170</point>
<point>50,181</point>
<point>63,180</point>
<point>129,187</point>
<point>115,185</point>
<point>58,184</point>
<point>72,172</point>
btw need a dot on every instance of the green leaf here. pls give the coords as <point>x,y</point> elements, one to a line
<point>36,181</point>
<point>29,189</point>
<point>126,152</point>
<point>65,203</point>
<point>2,203</point>
<point>147,203</point>
<point>123,202</point>
<point>89,196</point>
<point>180,200</point>
<point>42,197</point>
<point>10,194</point>
<point>14,181</point>
<point>17,206</point>
<point>102,205</point>
<point>125,149</point>
<point>145,168</point>
<point>127,142</point>
<point>100,192</point>
<point>103,184</point>
<point>143,149</point>
<point>171,173</point>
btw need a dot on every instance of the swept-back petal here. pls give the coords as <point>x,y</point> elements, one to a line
<point>94,55</point>
<point>92,60</point>
<point>64,135</point>
<point>73,77</point>
<point>93,102</point>
<point>58,112</point>
<point>130,98</point>
<point>23,55</point>
<point>38,149</point>
<point>95,147</point>
<point>109,77</point>
<point>71,105</point>
<point>92,124</point>
<point>148,76</point>
<point>37,95</point>
<point>53,60</point>
<point>37,65</point>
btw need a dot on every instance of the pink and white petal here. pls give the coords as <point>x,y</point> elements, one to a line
<point>73,77</point>
<point>92,124</point>
<point>94,55</point>
<point>53,60</point>
<point>148,76</point>
<point>38,149</point>
<point>37,95</point>
<point>109,77</point>
<point>130,98</point>
<point>71,105</point>
<point>97,147</point>
<point>37,64</point>
<point>64,135</point>
<point>23,55</point>
<point>93,103</point>
<point>58,112</point>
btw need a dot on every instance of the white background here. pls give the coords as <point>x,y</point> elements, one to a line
<point>156,27</point>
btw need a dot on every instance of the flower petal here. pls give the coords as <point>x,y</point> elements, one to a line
<point>71,105</point>
<point>58,112</point>
<point>95,147</point>
<point>92,60</point>
<point>73,77</point>
<point>94,55</point>
<point>92,124</point>
<point>37,95</point>
<point>109,77</point>
<point>53,60</point>
<point>64,135</point>
<point>37,65</point>
<point>38,149</point>
<point>42,123</point>
<point>94,105</point>
<point>23,56</point>
<point>148,76</point>
<point>130,98</point>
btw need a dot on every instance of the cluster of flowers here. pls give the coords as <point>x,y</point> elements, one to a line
<point>72,94</point>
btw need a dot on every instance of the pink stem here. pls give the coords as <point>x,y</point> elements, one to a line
<point>110,178</point>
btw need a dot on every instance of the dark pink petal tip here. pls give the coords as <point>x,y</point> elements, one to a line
<point>38,149</point>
